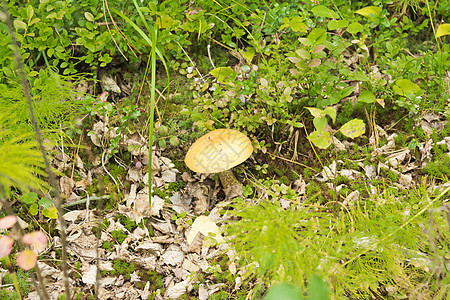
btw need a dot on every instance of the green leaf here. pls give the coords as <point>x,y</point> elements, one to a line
<point>89,16</point>
<point>405,87</point>
<point>283,291</point>
<point>163,131</point>
<point>318,289</point>
<point>174,141</point>
<point>337,24</point>
<point>369,11</point>
<point>45,202</point>
<point>223,73</point>
<point>162,143</point>
<point>29,198</point>
<point>20,24</point>
<point>297,25</point>
<point>317,36</point>
<point>324,12</point>
<point>443,29</point>
<point>353,128</point>
<point>366,97</point>
<point>321,139</point>
<point>331,111</point>
<point>30,12</point>
<point>248,55</point>
<point>319,123</point>
<point>34,208</point>
<point>50,212</point>
<point>317,113</point>
<point>354,28</point>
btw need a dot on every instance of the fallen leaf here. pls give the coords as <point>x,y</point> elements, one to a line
<point>205,226</point>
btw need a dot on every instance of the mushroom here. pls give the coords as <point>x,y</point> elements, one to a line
<point>218,152</point>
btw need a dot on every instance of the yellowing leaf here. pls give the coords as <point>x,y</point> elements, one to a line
<point>314,63</point>
<point>331,111</point>
<point>405,87</point>
<point>89,16</point>
<point>321,139</point>
<point>381,102</point>
<point>443,29</point>
<point>369,11</point>
<point>248,55</point>
<point>353,128</point>
<point>297,25</point>
<point>223,73</point>
<point>26,260</point>
<point>205,226</point>
<point>20,24</point>
<point>317,113</point>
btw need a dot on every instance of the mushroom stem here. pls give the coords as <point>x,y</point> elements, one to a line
<point>231,185</point>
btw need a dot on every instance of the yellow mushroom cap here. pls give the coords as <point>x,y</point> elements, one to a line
<point>218,151</point>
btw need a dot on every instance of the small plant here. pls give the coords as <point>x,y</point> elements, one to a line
<point>27,258</point>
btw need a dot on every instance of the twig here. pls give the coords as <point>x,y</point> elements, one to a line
<point>51,175</point>
<point>84,200</point>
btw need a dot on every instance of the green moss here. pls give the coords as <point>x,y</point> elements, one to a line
<point>438,168</point>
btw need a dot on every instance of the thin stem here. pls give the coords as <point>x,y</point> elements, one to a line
<point>51,175</point>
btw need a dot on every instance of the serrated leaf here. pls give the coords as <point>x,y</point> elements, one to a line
<point>321,139</point>
<point>405,87</point>
<point>20,24</point>
<point>354,28</point>
<point>50,212</point>
<point>324,12</point>
<point>331,111</point>
<point>443,29</point>
<point>223,73</point>
<point>353,128</point>
<point>369,11</point>
<point>29,198</point>
<point>366,97</point>
<point>45,202</point>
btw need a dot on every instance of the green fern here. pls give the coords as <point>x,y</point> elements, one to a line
<point>369,245</point>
